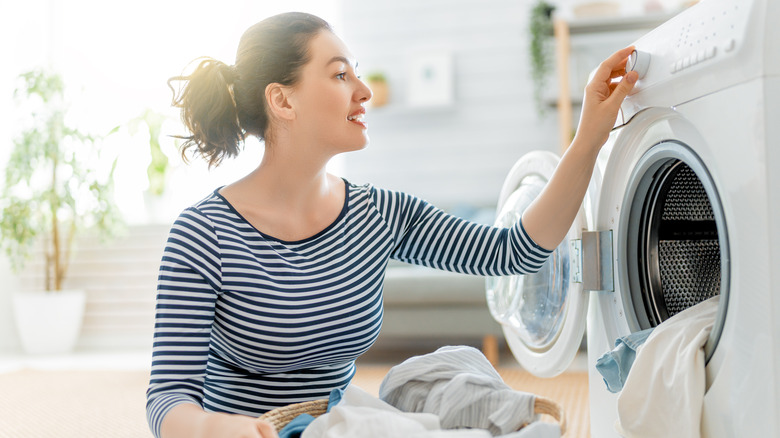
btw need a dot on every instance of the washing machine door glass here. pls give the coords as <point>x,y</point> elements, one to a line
<point>542,314</point>
<point>532,304</point>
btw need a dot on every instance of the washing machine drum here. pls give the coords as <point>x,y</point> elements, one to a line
<point>678,261</point>
<point>676,239</point>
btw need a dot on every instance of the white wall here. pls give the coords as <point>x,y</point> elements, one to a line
<point>456,155</point>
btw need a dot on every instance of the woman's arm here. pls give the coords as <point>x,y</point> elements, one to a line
<point>549,217</point>
<point>187,285</point>
<point>424,235</point>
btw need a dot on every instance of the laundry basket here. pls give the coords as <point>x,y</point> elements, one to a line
<point>279,417</point>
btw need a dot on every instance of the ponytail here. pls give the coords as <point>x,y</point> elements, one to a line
<point>208,110</point>
<point>221,105</point>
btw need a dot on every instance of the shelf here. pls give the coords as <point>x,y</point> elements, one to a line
<point>616,23</point>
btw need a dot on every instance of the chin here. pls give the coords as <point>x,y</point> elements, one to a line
<point>362,145</point>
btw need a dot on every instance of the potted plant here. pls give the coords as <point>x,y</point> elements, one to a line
<point>540,28</point>
<point>158,170</point>
<point>55,187</point>
<point>377,82</point>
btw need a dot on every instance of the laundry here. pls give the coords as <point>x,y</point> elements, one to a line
<point>614,365</point>
<point>358,415</point>
<point>460,386</point>
<point>664,391</point>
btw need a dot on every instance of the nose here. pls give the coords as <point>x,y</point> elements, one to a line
<point>363,93</point>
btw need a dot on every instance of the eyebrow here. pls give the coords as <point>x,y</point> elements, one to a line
<point>342,59</point>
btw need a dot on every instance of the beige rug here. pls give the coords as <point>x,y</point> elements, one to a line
<point>111,404</point>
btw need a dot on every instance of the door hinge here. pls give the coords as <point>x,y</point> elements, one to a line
<point>591,261</point>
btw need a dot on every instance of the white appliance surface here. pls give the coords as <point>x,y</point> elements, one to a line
<point>709,99</point>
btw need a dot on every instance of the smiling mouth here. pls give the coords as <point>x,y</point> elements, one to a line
<point>356,118</point>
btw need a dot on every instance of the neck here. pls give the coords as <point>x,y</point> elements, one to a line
<point>290,178</point>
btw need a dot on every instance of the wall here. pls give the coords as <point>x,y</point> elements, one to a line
<point>452,155</point>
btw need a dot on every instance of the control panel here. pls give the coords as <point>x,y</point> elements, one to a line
<point>707,47</point>
<point>707,36</point>
<point>696,37</point>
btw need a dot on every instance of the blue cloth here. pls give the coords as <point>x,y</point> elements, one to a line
<point>295,428</point>
<point>614,365</point>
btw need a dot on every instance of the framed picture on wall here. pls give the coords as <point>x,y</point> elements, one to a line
<point>430,79</point>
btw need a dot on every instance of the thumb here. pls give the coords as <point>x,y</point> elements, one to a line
<point>621,91</point>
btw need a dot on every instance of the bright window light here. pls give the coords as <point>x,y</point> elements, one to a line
<point>116,58</point>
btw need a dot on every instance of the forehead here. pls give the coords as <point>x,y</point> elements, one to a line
<point>325,47</point>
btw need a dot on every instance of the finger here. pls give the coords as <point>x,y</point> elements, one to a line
<point>616,61</point>
<point>266,429</point>
<point>618,72</point>
<point>622,89</point>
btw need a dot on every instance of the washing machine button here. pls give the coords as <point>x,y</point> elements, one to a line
<point>639,62</point>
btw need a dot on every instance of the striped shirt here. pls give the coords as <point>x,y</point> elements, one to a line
<point>246,322</point>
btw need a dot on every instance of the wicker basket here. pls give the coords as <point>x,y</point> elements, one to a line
<point>279,417</point>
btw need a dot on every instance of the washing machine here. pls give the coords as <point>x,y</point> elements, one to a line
<point>684,205</point>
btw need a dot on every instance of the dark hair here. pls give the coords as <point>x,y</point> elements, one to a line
<point>222,104</point>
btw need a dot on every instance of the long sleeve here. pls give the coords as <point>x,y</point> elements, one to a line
<point>188,285</point>
<point>428,236</point>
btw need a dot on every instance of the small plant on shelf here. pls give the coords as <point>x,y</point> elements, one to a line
<point>377,82</point>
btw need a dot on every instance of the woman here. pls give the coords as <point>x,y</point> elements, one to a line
<point>271,287</point>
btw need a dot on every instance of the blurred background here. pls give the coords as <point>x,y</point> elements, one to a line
<point>472,85</point>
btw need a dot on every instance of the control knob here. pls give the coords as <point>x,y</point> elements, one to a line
<point>638,61</point>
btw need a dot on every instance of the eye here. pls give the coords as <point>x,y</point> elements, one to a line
<point>342,76</point>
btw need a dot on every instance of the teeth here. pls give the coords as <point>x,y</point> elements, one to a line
<point>358,117</point>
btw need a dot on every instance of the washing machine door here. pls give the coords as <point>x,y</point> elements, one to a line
<point>543,314</point>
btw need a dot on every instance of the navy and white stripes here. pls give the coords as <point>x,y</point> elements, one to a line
<point>246,323</point>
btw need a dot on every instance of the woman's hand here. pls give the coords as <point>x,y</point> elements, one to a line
<point>603,97</point>
<point>237,426</point>
<point>188,420</point>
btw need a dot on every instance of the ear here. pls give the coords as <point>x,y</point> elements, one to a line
<point>277,98</point>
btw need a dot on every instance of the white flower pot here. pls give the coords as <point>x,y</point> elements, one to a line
<point>49,322</point>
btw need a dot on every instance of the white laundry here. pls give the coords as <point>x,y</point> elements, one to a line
<point>458,384</point>
<point>664,391</point>
<point>360,415</point>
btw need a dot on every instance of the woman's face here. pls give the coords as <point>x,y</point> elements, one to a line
<point>328,100</point>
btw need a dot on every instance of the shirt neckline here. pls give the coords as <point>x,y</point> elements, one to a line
<point>341,215</point>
